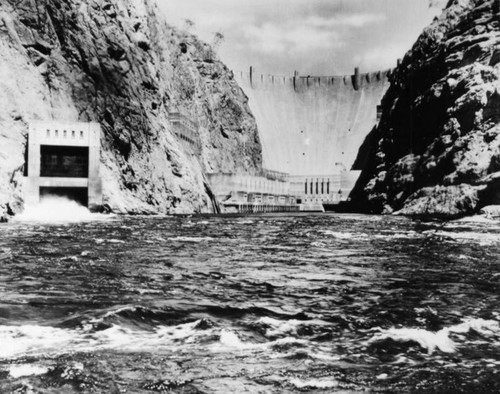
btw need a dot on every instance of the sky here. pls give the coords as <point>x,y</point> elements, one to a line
<point>314,37</point>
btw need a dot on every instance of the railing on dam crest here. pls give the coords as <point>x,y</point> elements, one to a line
<point>355,81</point>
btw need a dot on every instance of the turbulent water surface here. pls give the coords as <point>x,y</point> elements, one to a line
<point>253,304</point>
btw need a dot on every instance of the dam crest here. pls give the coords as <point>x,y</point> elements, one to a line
<point>299,82</point>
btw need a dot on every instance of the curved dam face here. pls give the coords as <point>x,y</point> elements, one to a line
<point>313,126</point>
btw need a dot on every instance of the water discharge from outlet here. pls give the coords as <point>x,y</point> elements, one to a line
<point>57,209</point>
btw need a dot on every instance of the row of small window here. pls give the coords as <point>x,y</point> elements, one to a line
<point>318,200</point>
<point>183,137</point>
<point>318,184</point>
<point>314,200</point>
<point>185,124</point>
<point>64,134</point>
<point>189,126</point>
<point>260,200</point>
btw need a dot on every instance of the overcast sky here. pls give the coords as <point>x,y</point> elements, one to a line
<point>315,37</point>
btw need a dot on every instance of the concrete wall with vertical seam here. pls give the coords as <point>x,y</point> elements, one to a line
<point>307,125</point>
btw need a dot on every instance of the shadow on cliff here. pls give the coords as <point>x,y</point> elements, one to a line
<point>366,163</point>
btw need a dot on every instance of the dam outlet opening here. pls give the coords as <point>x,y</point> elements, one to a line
<point>78,194</point>
<point>63,160</point>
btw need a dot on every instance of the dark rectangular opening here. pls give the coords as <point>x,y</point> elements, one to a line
<point>64,161</point>
<point>78,194</point>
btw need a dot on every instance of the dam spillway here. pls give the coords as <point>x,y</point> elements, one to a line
<point>311,126</point>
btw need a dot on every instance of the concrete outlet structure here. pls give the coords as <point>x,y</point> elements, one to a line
<point>63,160</point>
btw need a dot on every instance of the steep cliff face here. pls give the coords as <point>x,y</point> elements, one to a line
<point>436,150</point>
<point>118,63</point>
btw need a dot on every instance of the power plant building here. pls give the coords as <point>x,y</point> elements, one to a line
<point>63,159</point>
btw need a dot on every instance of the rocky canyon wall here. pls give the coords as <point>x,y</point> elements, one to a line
<point>436,150</point>
<point>308,124</point>
<point>118,63</point>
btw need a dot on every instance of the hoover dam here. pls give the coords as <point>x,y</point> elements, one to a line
<point>311,129</point>
<point>308,126</point>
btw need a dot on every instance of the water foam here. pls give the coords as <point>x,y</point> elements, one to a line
<point>23,370</point>
<point>281,327</point>
<point>191,239</point>
<point>21,340</point>
<point>339,235</point>
<point>58,210</point>
<point>313,383</point>
<point>231,340</point>
<point>441,339</point>
<point>245,222</point>
<point>426,339</point>
<point>30,340</point>
<point>482,238</point>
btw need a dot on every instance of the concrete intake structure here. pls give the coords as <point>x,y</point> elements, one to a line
<point>63,160</point>
<point>309,125</point>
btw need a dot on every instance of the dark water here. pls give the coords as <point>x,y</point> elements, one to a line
<point>254,304</point>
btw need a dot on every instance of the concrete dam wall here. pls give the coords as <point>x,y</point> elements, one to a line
<point>309,126</point>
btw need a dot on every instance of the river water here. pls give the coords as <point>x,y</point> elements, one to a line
<point>250,304</point>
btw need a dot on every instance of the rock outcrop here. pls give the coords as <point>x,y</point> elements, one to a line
<point>118,63</point>
<point>436,150</point>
